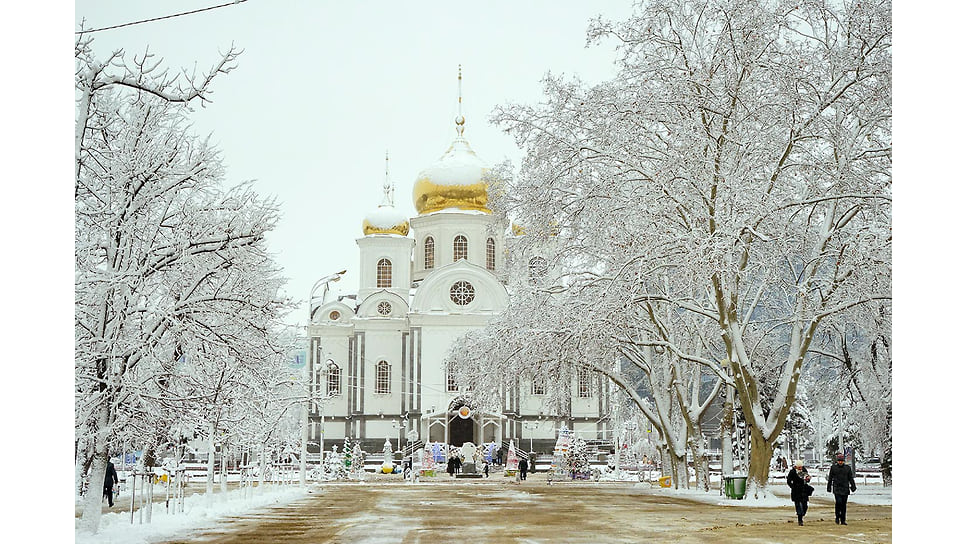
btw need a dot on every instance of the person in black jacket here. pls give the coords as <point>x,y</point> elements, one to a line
<point>841,482</point>
<point>800,489</point>
<point>110,479</point>
<point>523,468</point>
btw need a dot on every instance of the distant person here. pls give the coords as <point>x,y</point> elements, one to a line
<point>800,489</point>
<point>110,480</point>
<point>523,468</point>
<point>841,481</point>
<point>487,469</point>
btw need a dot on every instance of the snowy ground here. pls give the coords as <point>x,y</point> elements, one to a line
<point>200,513</point>
<point>200,516</point>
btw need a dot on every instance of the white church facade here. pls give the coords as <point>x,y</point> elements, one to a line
<point>377,356</point>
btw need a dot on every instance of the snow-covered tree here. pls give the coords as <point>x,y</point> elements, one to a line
<point>740,162</point>
<point>164,254</point>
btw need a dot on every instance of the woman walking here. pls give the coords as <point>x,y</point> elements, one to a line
<point>800,489</point>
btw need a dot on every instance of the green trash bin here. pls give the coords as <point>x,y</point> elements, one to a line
<point>735,487</point>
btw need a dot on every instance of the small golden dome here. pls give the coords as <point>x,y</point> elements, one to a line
<point>456,180</point>
<point>386,220</point>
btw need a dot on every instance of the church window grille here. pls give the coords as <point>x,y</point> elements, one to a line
<point>584,383</point>
<point>429,253</point>
<point>460,247</point>
<point>334,378</point>
<point>384,273</point>
<point>383,377</point>
<point>462,293</point>
<point>537,268</point>
<point>490,254</point>
<point>452,386</point>
<point>538,386</point>
<point>384,308</point>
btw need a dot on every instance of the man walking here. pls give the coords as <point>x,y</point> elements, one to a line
<point>110,480</point>
<point>523,468</point>
<point>841,481</point>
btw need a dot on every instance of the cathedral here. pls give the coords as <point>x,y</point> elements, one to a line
<point>377,355</point>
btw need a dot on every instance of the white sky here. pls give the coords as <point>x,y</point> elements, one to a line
<point>324,90</point>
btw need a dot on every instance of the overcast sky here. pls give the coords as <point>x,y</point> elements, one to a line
<point>325,89</point>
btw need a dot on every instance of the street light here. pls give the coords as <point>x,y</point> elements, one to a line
<point>531,426</point>
<point>324,283</point>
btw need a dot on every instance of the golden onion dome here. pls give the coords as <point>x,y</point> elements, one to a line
<point>386,220</point>
<point>456,180</point>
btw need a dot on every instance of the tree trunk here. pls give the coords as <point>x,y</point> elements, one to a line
<point>728,427</point>
<point>700,465</point>
<point>224,479</point>
<point>91,516</point>
<point>680,472</point>
<point>210,473</point>
<point>761,453</point>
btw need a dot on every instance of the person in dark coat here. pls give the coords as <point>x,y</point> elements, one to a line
<point>800,489</point>
<point>110,480</point>
<point>450,466</point>
<point>840,481</point>
<point>523,468</point>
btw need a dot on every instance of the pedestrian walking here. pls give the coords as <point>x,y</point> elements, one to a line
<point>523,468</point>
<point>110,480</point>
<point>800,489</point>
<point>840,481</point>
<point>487,469</point>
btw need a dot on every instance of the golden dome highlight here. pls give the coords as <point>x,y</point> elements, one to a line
<point>456,181</point>
<point>386,220</point>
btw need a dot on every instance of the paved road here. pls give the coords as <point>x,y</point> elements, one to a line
<point>498,510</point>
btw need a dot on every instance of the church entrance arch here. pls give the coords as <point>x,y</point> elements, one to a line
<point>461,426</point>
<point>461,430</point>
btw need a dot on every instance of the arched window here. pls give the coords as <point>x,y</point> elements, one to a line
<point>334,377</point>
<point>584,383</point>
<point>429,253</point>
<point>489,258</point>
<point>383,377</point>
<point>384,273</point>
<point>537,268</point>
<point>460,247</point>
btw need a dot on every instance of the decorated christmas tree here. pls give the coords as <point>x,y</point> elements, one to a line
<point>560,461</point>
<point>580,468</point>
<point>334,469</point>
<point>511,466</point>
<point>430,454</point>
<point>356,464</point>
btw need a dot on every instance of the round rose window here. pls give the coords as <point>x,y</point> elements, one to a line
<point>334,315</point>
<point>384,308</point>
<point>462,293</point>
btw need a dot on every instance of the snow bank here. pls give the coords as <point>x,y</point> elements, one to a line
<point>116,528</point>
<point>713,497</point>
<point>776,496</point>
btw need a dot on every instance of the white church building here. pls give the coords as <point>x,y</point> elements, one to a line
<point>424,281</point>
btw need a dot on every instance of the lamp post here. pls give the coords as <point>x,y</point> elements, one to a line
<point>412,437</point>
<point>304,443</point>
<point>530,426</point>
